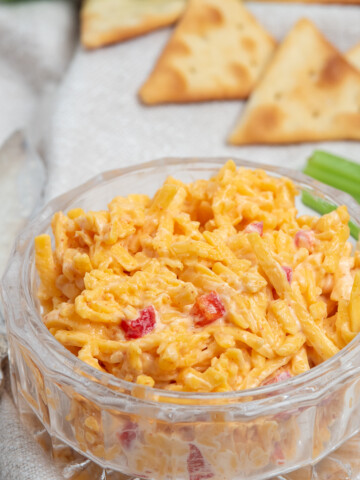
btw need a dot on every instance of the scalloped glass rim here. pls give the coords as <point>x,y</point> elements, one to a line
<point>302,388</point>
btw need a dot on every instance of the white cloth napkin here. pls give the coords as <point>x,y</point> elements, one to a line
<point>37,39</point>
<point>36,42</point>
<point>99,124</point>
<point>21,458</point>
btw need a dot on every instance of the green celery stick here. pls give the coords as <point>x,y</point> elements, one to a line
<point>336,180</point>
<point>338,166</point>
<point>323,207</point>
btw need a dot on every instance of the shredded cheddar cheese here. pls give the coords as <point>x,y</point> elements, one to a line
<point>213,286</point>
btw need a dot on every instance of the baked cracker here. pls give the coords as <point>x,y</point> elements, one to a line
<point>353,56</point>
<point>309,92</point>
<point>104,22</point>
<point>217,51</point>
<point>333,2</point>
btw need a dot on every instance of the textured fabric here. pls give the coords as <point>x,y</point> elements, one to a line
<point>99,123</point>
<point>21,458</point>
<point>36,41</point>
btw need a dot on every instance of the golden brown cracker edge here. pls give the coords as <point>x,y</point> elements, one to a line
<point>353,56</point>
<point>309,92</point>
<point>224,31</point>
<point>100,27</point>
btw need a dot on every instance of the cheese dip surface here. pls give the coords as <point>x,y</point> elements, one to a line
<point>213,286</point>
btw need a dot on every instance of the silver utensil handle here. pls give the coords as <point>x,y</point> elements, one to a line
<point>3,357</point>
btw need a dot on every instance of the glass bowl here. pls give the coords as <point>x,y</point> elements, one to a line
<point>151,433</point>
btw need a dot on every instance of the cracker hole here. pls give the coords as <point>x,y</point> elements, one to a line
<point>278,96</point>
<point>253,63</point>
<point>315,114</point>
<point>240,26</point>
<point>312,74</point>
<point>192,70</point>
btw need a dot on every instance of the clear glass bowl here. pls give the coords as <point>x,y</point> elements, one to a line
<point>252,434</point>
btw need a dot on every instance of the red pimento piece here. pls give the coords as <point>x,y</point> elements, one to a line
<point>278,455</point>
<point>128,435</point>
<point>289,273</point>
<point>280,377</point>
<point>207,309</point>
<point>305,239</point>
<point>256,227</point>
<point>197,466</point>
<point>142,325</point>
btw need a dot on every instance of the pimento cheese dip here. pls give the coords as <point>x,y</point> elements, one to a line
<point>213,286</point>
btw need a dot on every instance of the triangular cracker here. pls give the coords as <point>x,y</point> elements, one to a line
<point>353,56</point>
<point>217,52</point>
<point>309,92</point>
<point>109,21</point>
<point>338,2</point>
